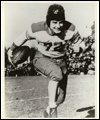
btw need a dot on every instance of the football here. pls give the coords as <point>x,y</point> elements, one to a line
<point>20,55</point>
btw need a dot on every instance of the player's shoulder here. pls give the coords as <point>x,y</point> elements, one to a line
<point>39,26</point>
<point>69,26</point>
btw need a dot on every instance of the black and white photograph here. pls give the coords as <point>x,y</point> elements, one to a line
<point>49,59</point>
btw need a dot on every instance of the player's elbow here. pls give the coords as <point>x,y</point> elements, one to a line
<point>29,34</point>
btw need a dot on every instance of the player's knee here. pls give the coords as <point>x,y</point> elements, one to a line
<point>56,75</point>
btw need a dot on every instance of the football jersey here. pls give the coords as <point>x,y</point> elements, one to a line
<point>53,45</point>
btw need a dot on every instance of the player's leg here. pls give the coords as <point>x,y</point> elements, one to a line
<point>62,87</point>
<point>54,73</point>
<point>62,90</point>
<point>51,110</point>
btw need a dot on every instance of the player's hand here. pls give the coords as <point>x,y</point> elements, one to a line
<point>10,55</point>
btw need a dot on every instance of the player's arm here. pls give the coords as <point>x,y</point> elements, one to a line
<point>25,36</point>
<point>19,41</point>
<point>30,34</point>
<point>77,41</point>
<point>16,43</point>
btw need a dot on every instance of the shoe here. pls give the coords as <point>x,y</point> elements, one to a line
<point>51,114</point>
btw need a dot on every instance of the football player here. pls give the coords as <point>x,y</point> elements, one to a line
<point>50,38</point>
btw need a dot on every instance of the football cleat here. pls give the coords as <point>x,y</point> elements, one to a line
<point>51,114</point>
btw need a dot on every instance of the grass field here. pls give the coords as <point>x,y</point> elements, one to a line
<point>27,97</point>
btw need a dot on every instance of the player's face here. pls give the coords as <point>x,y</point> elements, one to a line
<point>56,26</point>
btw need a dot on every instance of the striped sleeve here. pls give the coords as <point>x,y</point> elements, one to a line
<point>35,27</point>
<point>77,40</point>
<point>28,34</point>
<point>38,26</point>
<point>76,37</point>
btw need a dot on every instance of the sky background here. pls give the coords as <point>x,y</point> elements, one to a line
<point>18,16</point>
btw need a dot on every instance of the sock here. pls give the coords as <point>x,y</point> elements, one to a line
<point>52,105</point>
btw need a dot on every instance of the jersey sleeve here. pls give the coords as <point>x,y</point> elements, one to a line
<point>28,34</point>
<point>35,27</point>
<point>77,40</point>
<point>21,39</point>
